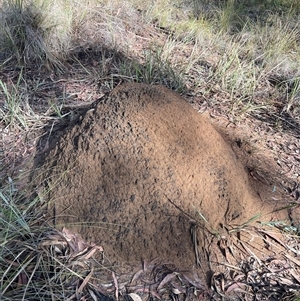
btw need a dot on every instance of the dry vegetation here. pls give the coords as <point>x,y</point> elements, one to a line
<point>237,59</point>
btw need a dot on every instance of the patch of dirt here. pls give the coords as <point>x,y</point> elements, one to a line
<point>139,169</point>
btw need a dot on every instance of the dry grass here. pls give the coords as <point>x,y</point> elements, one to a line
<point>39,262</point>
<point>245,50</point>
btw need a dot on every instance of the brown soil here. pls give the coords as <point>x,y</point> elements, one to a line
<point>139,169</point>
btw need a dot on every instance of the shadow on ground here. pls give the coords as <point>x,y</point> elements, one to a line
<point>240,12</point>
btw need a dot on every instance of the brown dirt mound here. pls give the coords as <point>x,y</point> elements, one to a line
<point>139,169</point>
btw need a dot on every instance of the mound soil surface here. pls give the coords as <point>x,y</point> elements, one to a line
<point>138,170</point>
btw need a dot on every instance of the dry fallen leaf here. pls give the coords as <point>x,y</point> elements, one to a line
<point>167,279</point>
<point>135,297</point>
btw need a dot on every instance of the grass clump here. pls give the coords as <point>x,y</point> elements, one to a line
<point>37,261</point>
<point>12,113</point>
<point>156,68</point>
<point>238,48</point>
<point>16,111</point>
<point>25,32</point>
